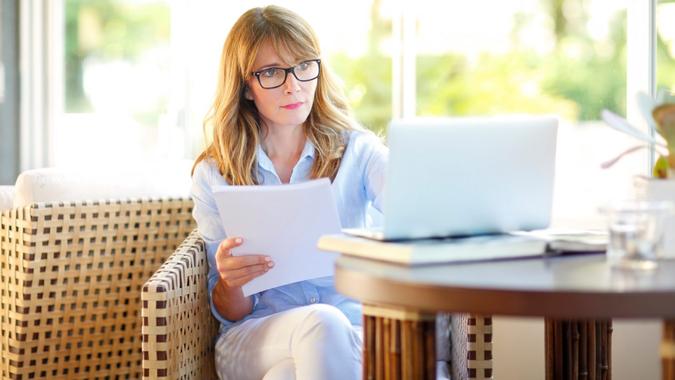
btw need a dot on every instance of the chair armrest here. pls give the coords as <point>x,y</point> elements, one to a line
<point>178,328</point>
<point>471,346</point>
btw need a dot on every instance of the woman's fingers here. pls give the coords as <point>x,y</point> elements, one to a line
<point>238,270</point>
<point>226,245</point>
<point>238,262</point>
<point>245,271</point>
<point>239,277</point>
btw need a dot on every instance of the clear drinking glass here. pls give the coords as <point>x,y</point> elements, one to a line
<point>636,231</point>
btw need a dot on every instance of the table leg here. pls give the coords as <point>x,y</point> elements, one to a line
<point>401,344</point>
<point>578,349</point>
<point>668,350</point>
<point>398,344</point>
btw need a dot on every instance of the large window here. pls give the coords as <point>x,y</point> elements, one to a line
<point>535,56</point>
<point>118,83</point>
<point>140,75</point>
<point>552,57</point>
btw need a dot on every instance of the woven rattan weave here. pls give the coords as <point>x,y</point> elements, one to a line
<point>71,275</point>
<point>178,329</point>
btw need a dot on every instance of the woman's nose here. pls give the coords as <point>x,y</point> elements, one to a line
<point>292,84</point>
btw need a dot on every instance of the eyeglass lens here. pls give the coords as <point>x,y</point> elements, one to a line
<point>275,76</point>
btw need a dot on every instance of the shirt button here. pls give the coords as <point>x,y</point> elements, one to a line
<point>312,300</point>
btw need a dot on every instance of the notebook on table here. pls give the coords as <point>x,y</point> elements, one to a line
<point>467,176</point>
<point>469,248</point>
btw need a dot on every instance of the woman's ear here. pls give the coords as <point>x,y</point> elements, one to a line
<point>247,93</point>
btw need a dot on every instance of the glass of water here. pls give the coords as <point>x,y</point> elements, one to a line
<point>636,231</point>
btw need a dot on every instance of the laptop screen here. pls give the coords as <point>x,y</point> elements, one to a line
<point>465,176</point>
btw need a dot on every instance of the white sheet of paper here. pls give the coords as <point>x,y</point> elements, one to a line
<point>284,222</point>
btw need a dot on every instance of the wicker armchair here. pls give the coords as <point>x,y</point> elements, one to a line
<point>179,331</point>
<point>70,281</point>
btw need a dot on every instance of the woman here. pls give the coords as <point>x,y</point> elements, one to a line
<point>278,118</point>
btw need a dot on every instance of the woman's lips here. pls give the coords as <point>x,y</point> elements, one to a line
<point>292,106</point>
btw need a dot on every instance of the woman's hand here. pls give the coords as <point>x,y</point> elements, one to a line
<point>235,271</point>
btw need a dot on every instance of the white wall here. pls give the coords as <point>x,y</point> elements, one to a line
<point>518,349</point>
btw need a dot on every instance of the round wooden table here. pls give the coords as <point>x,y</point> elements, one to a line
<point>578,296</point>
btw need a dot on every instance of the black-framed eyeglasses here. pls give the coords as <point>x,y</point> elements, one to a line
<point>273,77</point>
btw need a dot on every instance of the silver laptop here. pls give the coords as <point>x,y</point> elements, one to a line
<point>467,176</point>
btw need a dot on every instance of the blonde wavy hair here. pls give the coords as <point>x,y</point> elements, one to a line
<point>234,120</point>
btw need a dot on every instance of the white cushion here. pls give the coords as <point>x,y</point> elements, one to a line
<point>146,181</point>
<point>6,197</point>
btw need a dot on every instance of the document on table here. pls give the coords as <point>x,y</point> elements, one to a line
<point>284,222</point>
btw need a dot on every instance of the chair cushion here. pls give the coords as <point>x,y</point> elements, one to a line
<point>146,181</point>
<point>6,197</point>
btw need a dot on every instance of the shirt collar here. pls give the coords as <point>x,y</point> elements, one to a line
<point>308,150</point>
<point>265,162</point>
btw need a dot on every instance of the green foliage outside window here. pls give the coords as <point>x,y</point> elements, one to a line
<point>496,85</point>
<point>576,86</point>
<point>367,82</point>
<point>108,30</point>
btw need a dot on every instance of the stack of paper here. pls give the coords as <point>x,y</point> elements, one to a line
<point>284,222</point>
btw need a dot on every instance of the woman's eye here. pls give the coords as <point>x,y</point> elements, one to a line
<point>303,66</point>
<point>269,73</point>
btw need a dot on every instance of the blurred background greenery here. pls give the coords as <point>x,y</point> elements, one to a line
<point>140,75</point>
<point>98,31</point>
<point>576,77</point>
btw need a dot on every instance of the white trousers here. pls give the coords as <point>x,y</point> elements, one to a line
<point>304,343</point>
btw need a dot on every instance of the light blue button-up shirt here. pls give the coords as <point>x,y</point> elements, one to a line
<point>359,183</point>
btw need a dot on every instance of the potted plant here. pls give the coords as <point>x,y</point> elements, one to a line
<point>661,185</point>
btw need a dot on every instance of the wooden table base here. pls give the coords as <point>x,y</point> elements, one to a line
<point>668,350</point>
<point>401,344</point>
<point>398,344</point>
<point>578,349</point>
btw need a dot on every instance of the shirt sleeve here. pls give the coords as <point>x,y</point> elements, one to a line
<point>209,226</point>
<point>377,156</point>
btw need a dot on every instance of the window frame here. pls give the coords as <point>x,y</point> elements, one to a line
<point>41,39</point>
<point>641,64</point>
